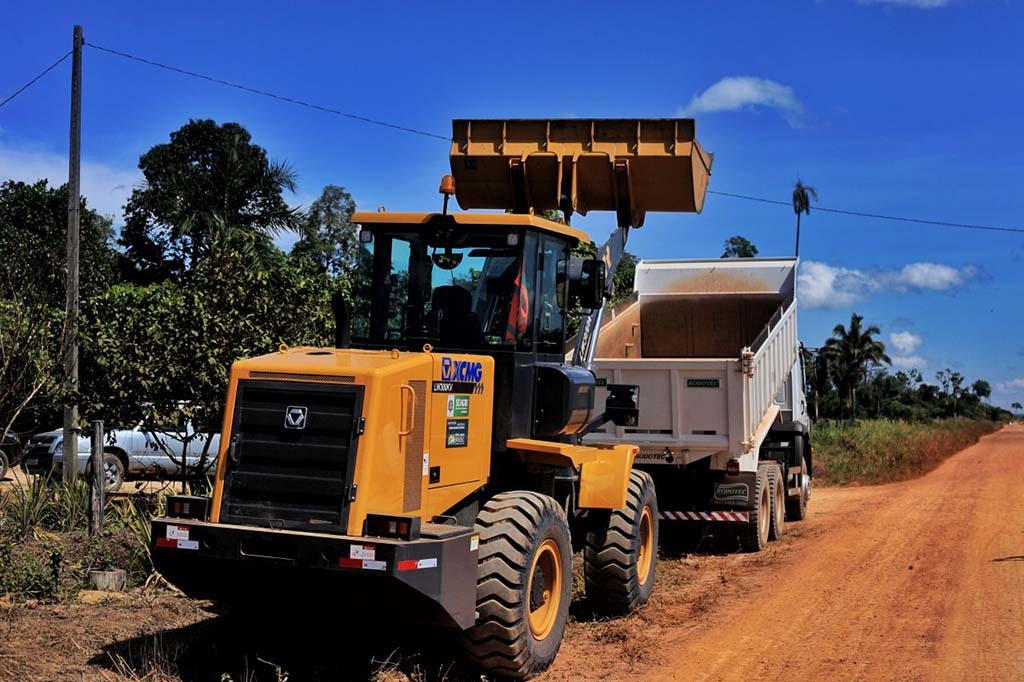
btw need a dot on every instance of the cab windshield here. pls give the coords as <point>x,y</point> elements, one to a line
<point>460,288</point>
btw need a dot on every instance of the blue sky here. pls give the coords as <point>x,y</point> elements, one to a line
<point>909,107</point>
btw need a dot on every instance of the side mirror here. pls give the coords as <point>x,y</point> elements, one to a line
<point>587,278</point>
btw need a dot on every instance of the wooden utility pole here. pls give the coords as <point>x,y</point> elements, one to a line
<point>98,481</point>
<point>70,446</point>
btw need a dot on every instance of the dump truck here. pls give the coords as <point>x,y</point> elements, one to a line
<point>713,347</point>
<point>429,467</point>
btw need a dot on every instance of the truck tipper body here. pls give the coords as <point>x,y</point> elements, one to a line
<point>712,345</point>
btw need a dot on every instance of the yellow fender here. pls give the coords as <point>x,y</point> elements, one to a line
<point>604,472</point>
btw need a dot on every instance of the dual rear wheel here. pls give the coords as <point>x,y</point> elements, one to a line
<point>768,517</point>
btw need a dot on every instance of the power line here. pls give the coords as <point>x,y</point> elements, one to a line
<point>424,133</point>
<point>26,86</point>
<point>879,216</point>
<point>272,95</point>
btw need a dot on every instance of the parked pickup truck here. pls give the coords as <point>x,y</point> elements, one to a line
<point>10,452</point>
<point>128,454</point>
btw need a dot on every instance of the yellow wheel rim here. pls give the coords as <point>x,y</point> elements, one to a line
<point>544,590</point>
<point>646,545</point>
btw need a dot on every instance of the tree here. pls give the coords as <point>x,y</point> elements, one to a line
<point>739,247</point>
<point>802,195</point>
<point>162,352</point>
<point>982,388</point>
<point>817,373</point>
<point>952,388</point>
<point>1017,407</point>
<point>852,352</point>
<point>208,190</point>
<point>327,236</point>
<point>33,222</point>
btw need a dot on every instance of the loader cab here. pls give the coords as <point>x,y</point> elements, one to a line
<point>488,284</point>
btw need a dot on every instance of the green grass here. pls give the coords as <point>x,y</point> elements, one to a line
<point>878,451</point>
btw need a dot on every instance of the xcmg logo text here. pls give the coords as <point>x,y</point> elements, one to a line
<point>461,370</point>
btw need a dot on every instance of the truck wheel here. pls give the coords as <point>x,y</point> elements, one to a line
<point>753,535</point>
<point>113,472</point>
<point>3,465</point>
<point>621,551</point>
<point>796,506</point>
<point>777,527</point>
<point>524,584</point>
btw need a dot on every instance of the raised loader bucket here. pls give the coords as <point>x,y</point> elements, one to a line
<point>630,166</point>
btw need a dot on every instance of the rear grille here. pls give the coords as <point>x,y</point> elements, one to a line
<point>295,475</point>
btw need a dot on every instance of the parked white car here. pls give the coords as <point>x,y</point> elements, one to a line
<point>128,454</point>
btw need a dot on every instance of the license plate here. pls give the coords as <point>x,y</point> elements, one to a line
<point>31,462</point>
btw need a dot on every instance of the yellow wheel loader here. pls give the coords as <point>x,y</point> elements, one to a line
<point>429,467</point>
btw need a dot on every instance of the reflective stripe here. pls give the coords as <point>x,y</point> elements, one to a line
<point>726,516</point>
<point>365,564</point>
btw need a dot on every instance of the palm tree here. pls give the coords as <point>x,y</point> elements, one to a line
<point>852,352</point>
<point>802,195</point>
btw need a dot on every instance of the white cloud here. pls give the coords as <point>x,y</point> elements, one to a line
<point>909,362</point>
<point>934,276</point>
<point>916,4</point>
<point>105,188</point>
<point>737,92</point>
<point>827,286</point>
<point>1011,386</point>
<point>905,342</point>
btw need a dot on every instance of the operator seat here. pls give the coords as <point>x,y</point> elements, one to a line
<point>457,324</point>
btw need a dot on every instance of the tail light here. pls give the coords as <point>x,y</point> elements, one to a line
<point>187,507</point>
<point>400,527</point>
<point>732,467</point>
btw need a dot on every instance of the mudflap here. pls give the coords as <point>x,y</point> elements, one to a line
<point>431,580</point>
<point>733,492</point>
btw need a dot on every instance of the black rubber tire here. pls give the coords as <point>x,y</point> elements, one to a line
<point>777,488</point>
<point>611,553</point>
<point>4,465</point>
<point>512,528</point>
<point>796,506</point>
<point>753,535</point>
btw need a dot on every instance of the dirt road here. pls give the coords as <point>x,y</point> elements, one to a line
<point>922,580</point>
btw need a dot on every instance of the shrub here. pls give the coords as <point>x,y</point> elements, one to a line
<point>876,451</point>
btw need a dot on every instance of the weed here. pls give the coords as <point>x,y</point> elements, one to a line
<point>151,660</point>
<point>26,507</point>
<point>68,506</point>
<point>875,451</point>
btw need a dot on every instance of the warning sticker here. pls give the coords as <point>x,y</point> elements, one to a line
<point>458,406</point>
<point>457,433</point>
<point>474,543</point>
<point>362,552</point>
<point>177,532</point>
